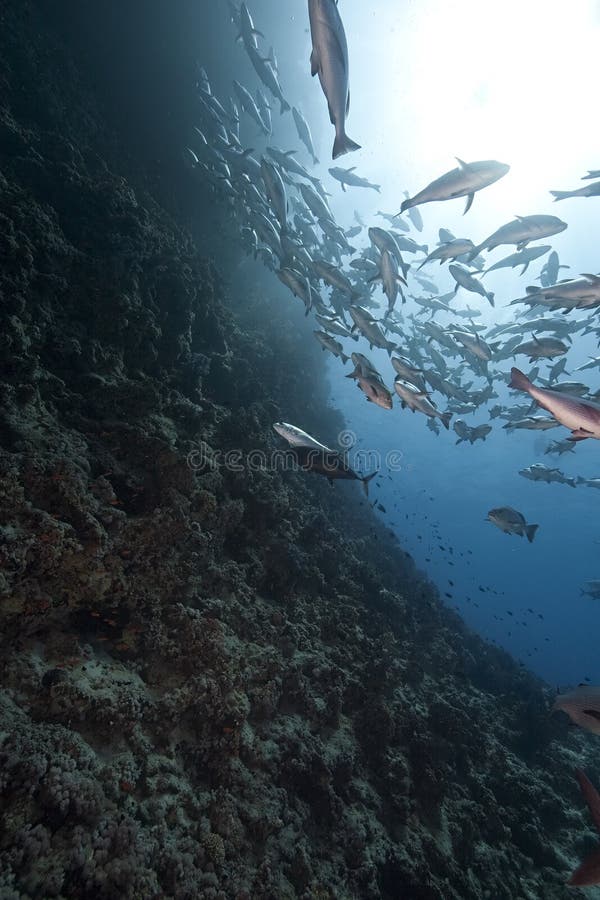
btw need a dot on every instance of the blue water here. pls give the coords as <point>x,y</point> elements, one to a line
<point>427,84</point>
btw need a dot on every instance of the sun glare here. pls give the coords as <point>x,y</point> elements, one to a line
<point>514,81</point>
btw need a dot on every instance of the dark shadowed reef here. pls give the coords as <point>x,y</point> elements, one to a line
<point>216,684</point>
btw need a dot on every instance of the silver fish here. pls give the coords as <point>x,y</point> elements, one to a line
<point>304,133</point>
<point>461,182</point>
<point>329,59</point>
<point>419,400</point>
<point>347,177</point>
<point>521,231</point>
<point>589,190</point>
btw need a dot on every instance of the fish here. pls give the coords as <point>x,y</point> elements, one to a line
<point>275,191</point>
<point>329,60</point>
<point>298,284</point>
<point>331,275</point>
<point>248,33</point>
<point>511,521</point>
<point>375,390</point>
<point>532,423</point>
<point>407,372</point>
<point>541,348</point>
<point>335,326</point>
<point>475,345</point>
<point>591,589</point>
<point>304,133</point>
<point>315,203</point>
<point>369,328</point>
<point>329,343</point>
<point>581,417</point>
<point>539,472</point>
<point>347,177</point>
<point>521,231</point>
<point>449,250</point>
<point>522,258</point>
<point>268,76</point>
<point>331,464</point>
<point>466,280</point>
<point>287,161</point>
<point>582,705</point>
<point>363,367</point>
<point>388,273</point>
<point>472,434</point>
<point>589,190</point>
<point>588,873</point>
<point>296,437</point>
<point>415,399</point>
<point>578,293</point>
<point>461,182</point>
<point>248,105</point>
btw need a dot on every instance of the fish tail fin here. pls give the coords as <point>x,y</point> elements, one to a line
<point>343,144</point>
<point>490,296</point>
<point>519,381</point>
<point>344,358</point>
<point>366,480</point>
<point>285,107</point>
<point>530,531</point>
<point>377,188</point>
<point>445,417</point>
<point>560,195</point>
<point>315,161</point>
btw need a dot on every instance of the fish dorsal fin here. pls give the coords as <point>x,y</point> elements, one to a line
<point>461,163</point>
<point>534,338</point>
<point>352,170</point>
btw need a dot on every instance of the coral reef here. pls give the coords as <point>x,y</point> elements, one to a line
<point>216,683</point>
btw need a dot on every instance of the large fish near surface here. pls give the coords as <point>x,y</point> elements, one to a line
<point>461,182</point>
<point>577,293</point>
<point>347,177</point>
<point>588,190</point>
<point>304,133</point>
<point>521,258</point>
<point>521,231</point>
<point>541,348</point>
<point>329,59</point>
<point>450,250</point>
<point>312,456</point>
<point>511,521</point>
<point>581,417</point>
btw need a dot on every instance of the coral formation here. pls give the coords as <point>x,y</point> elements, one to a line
<point>216,683</point>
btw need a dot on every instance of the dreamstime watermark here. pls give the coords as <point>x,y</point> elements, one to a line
<point>293,459</point>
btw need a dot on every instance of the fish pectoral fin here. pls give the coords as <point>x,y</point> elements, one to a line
<point>348,102</point>
<point>315,64</point>
<point>580,434</point>
<point>469,202</point>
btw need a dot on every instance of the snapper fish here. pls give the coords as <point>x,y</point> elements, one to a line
<point>312,456</point>
<point>511,521</point>
<point>582,705</point>
<point>582,417</point>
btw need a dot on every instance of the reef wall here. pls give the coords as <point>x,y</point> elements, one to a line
<point>216,683</point>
